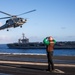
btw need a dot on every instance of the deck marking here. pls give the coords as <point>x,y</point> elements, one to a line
<point>35,63</point>
<point>58,71</point>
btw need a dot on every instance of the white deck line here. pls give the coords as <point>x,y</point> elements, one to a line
<point>34,63</point>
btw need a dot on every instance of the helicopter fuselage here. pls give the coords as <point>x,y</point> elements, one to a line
<point>15,22</point>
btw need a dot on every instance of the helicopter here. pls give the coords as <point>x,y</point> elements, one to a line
<point>14,21</point>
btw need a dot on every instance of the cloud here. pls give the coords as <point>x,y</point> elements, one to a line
<point>0,24</point>
<point>35,39</point>
<point>5,39</point>
<point>63,27</point>
<point>65,38</point>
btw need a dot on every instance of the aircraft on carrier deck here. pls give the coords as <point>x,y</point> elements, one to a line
<point>14,20</point>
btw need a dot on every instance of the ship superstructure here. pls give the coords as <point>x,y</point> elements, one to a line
<point>25,44</point>
<point>24,40</point>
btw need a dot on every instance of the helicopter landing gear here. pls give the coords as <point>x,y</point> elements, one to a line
<point>21,26</point>
<point>7,29</point>
<point>14,25</point>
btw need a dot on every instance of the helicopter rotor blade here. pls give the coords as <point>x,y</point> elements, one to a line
<point>5,13</point>
<point>5,17</point>
<point>27,12</point>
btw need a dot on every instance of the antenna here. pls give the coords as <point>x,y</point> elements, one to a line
<point>23,35</point>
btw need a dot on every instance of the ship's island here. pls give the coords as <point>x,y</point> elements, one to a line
<point>25,44</point>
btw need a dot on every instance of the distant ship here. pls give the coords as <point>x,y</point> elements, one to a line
<point>25,44</point>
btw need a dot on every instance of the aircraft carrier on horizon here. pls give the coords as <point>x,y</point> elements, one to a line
<point>25,44</point>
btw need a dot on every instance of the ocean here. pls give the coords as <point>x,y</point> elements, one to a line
<point>57,52</point>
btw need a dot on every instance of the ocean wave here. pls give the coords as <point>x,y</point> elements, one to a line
<point>22,54</point>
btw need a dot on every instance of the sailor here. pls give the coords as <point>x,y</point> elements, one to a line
<point>49,42</point>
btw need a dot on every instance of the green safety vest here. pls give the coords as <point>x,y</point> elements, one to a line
<point>47,42</point>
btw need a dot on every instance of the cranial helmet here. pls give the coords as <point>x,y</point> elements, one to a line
<point>50,38</point>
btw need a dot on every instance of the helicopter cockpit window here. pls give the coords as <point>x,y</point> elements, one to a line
<point>7,21</point>
<point>20,19</point>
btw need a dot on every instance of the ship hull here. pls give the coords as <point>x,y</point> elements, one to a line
<point>40,46</point>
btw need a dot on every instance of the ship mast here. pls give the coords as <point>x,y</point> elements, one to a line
<point>24,40</point>
<point>23,35</point>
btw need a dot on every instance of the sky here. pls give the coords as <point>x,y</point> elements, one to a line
<point>54,18</point>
